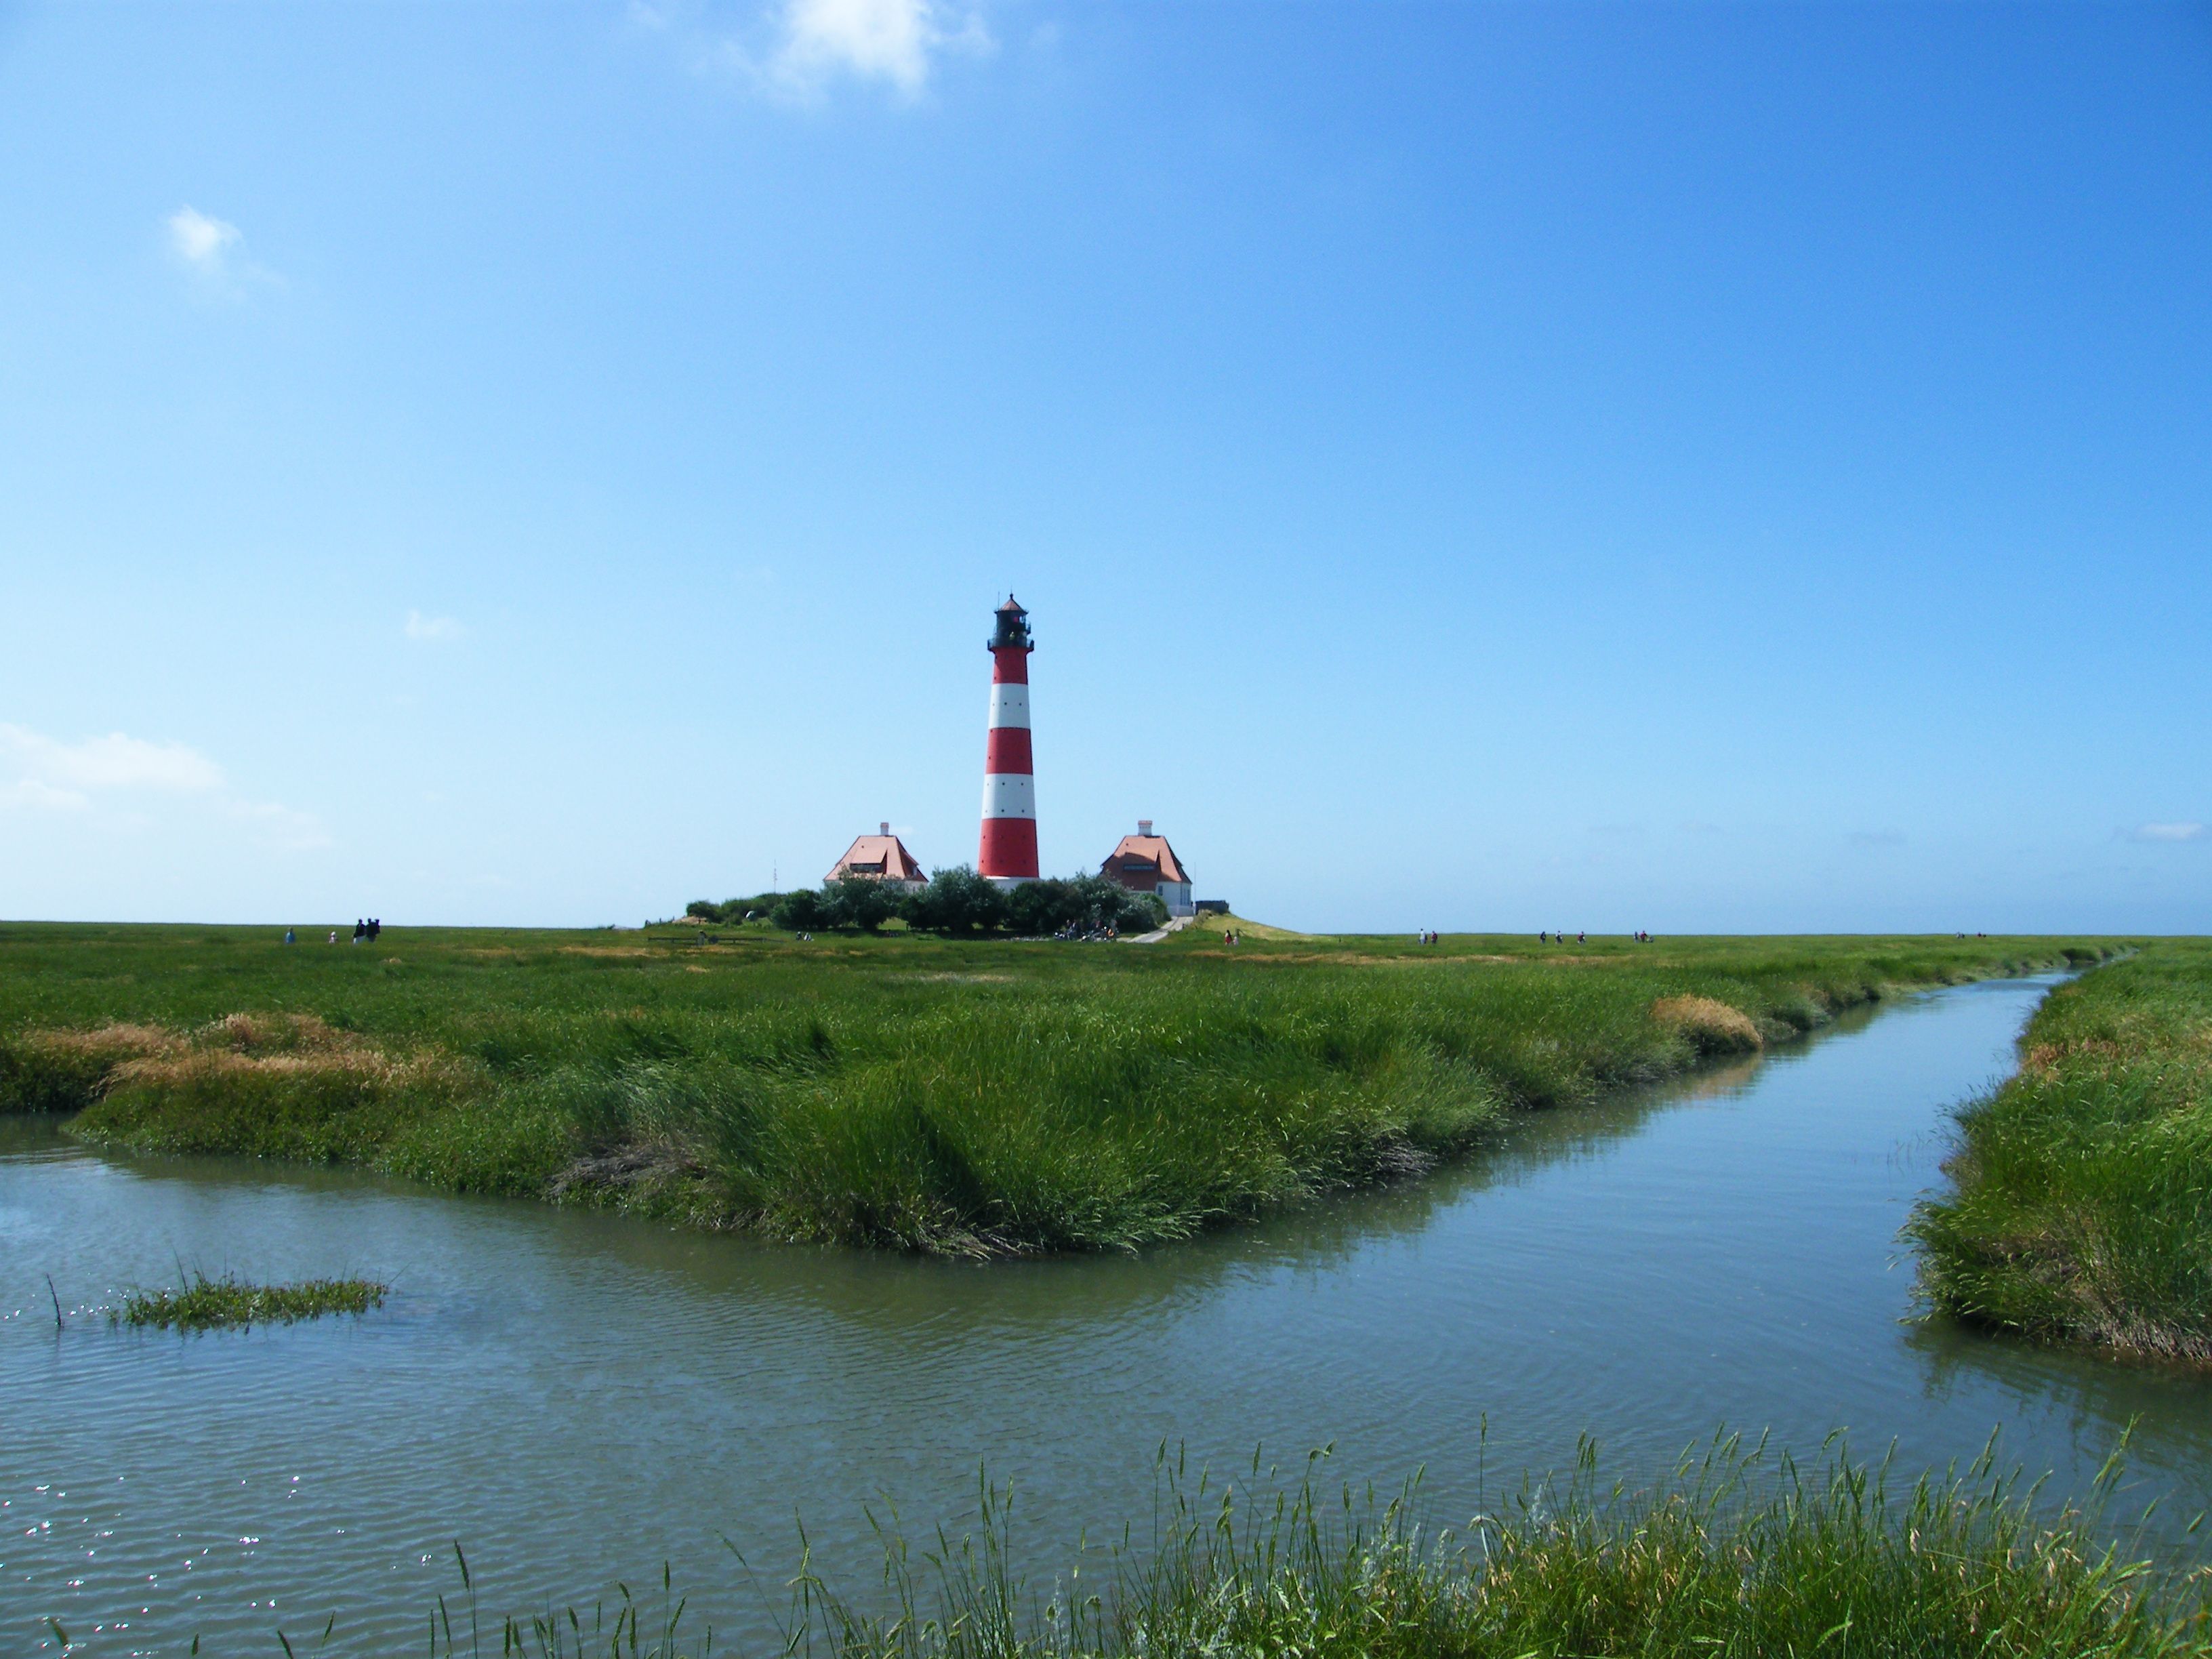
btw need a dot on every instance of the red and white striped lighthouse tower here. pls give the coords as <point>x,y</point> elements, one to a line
<point>1009,853</point>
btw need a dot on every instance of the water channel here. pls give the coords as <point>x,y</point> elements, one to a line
<point>577,1398</point>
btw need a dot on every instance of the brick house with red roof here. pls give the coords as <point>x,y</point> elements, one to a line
<point>880,857</point>
<point>1144,863</point>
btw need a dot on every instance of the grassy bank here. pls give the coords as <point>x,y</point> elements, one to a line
<point>2082,1204</point>
<point>1734,1559</point>
<point>901,1091</point>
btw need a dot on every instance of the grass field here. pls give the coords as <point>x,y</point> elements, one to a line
<point>2082,1203</point>
<point>968,1099</point>
<point>1739,1556</point>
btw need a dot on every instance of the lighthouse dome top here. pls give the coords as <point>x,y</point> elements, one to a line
<point>1012,633</point>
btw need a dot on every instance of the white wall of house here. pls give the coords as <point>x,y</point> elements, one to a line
<point>1177,895</point>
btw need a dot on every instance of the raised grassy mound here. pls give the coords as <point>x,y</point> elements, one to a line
<point>965,1098</point>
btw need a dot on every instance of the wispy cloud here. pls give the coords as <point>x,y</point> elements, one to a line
<point>2166,832</point>
<point>114,762</point>
<point>121,777</point>
<point>212,250</point>
<point>891,40</point>
<point>796,49</point>
<point>200,240</point>
<point>37,795</point>
<point>432,629</point>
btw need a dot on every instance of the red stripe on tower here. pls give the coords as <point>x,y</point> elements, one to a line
<point>1009,852</point>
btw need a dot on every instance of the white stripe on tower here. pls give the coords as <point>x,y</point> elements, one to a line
<point>1009,795</point>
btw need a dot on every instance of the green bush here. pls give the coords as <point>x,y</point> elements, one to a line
<point>802,912</point>
<point>730,912</point>
<point>861,903</point>
<point>956,901</point>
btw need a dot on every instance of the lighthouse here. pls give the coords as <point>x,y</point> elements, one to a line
<point>1009,853</point>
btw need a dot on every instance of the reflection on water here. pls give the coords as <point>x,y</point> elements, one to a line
<point>578,1397</point>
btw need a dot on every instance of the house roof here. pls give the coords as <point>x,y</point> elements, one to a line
<point>877,855</point>
<point>1154,850</point>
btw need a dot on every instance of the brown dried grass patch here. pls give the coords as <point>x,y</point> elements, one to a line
<point>241,1044</point>
<point>2045,1057</point>
<point>1709,1021</point>
<point>110,1042</point>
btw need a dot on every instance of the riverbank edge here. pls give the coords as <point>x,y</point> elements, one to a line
<point>658,1181</point>
<point>2076,1215</point>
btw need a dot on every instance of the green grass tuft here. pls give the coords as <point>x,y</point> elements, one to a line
<point>202,1304</point>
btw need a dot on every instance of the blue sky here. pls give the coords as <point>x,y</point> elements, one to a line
<point>1716,467</point>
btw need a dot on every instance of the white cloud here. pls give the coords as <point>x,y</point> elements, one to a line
<point>213,250</point>
<point>2169,832</point>
<point>115,778</point>
<point>41,797</point>
<point>796,48</point>
<point>200,240</point>
<point>113,761</point>
<point>420,627</point>
<point>882,39</point>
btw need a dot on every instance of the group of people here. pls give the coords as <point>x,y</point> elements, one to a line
<point>1427,936</point>
<point>1560,937</point>
<point>363,932</point>
<point>1230,936</point>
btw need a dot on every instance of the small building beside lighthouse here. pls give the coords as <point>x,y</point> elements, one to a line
<point>881,857</point>
<point>1144,863</point>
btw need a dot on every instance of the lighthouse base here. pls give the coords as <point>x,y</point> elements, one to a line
<point>1008,854</point>
<point>1003,883</point>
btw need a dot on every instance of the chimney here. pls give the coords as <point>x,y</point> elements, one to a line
<point>883,828</point>
<point>1143,826</point>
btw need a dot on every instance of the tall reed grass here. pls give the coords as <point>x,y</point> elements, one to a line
<point>1740,1554</point>
<point>968,1099</point>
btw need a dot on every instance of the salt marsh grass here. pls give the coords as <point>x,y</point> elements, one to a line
<point>2082,1204</point>
<point>970,1098</point>
<point>1739,1554</point>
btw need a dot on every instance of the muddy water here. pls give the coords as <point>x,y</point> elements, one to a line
<point>577,1398</point>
